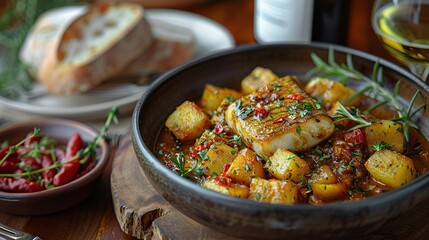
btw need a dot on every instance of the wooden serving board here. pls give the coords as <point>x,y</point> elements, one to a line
<point>143,213</point>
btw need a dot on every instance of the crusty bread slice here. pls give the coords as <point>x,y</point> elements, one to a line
<point>95,46</point>
<point>48,27</point>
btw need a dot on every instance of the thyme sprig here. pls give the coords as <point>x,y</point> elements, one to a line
<point>112,117</point>
<point>83,154</point>
<point>375,87</point>
<point>13,148</point>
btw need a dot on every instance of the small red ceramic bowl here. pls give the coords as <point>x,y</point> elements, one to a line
<point>62,197</point>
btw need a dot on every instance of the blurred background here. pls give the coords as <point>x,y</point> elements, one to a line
<point>342,22</point>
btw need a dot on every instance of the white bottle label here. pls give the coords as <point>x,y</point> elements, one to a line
<point>283,20</point>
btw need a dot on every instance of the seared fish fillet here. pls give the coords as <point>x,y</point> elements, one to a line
<point>279,115</point>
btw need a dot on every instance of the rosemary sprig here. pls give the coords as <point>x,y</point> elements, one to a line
<point>180,162</point>
<point>378,146</point>
<point>344,114</point>
<point>83,154</point>
<point>375,87</point>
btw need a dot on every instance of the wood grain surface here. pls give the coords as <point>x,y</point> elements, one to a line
<point>143,213</point>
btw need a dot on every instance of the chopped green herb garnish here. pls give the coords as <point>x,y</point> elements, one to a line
<point>378,146</point>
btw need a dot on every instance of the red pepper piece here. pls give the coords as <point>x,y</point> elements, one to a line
<point>294,96</point>
<point>32,140</point>
<point>356,137</point>
<point>66,173</point>
<point>48,175</point>
<point>86,170</point>
<point>200,147</point>
<point>218,129</point>
<point>83,166</point>
<point>8,167</point>
<point>222,179</point>
<point>279,120</point>
<point>69,170</point>
<point>10,164</point>
<point>225,169</point>
<point>31,163</point>
<point>60,153</point>
<point>74,145</point>
<point>12,157</point>
<point>20,185</point>
<point>260,112</point>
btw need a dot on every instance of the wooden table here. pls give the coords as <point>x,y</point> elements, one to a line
<point>94,218</point>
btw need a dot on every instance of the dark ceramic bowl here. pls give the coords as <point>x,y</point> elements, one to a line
<point>246,218</point>
<point>59,198</point>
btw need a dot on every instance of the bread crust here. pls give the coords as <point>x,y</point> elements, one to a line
<point>62,77</point>
<point>49,27</point>
<point>173,45</point>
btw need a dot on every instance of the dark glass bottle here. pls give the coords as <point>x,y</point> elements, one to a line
<point>330,21</point>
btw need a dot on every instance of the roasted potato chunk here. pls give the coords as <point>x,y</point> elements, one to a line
<point>391,168</point>
<point>257,78</point>
<point>187,122</point>
<point>329,191</point>
<point>214,95</point>
<point>232,189</point>
<point>216,158</point>
<point>273,191</point>
<point>330,91</point>
<point>285,165</point>
<point>245,167</point>
<point>323,175</point>
<point>385,131</point>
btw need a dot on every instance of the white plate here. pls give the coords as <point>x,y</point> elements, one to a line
<point>210,37</point>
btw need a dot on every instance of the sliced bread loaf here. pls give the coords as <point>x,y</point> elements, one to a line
<point>173,45</point>
<point>94,47</point>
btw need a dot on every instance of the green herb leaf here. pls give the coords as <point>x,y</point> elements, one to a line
<point>203,154</point>
<point>378,146</point>
<point>343,114</point>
